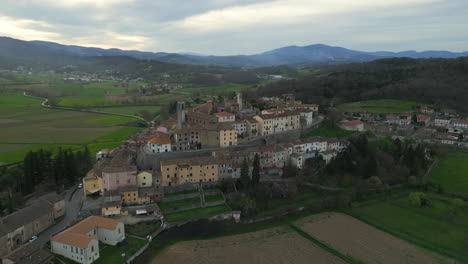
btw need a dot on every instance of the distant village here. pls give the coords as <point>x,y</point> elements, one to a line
<point>424,124</point>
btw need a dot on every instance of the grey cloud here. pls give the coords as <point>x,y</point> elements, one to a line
<point>161,25</point>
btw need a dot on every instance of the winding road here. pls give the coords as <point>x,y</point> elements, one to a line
<point>45,104</point>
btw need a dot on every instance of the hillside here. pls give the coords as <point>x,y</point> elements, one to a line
<point>318,54</point>
<point>443,82</point>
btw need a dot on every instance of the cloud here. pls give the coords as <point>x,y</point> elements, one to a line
<point>77,3</point>
<point>281,12</point>
<point>225,27</point>
<point>27,29</point>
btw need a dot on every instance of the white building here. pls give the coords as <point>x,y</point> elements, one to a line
<point>460,123</point>
<point>80,242</point>
<point>159,144</point>
<point>241,127</point>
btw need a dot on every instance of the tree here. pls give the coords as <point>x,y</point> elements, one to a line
<point>256,170</point>
<point>244,177</point>
<point>418,199</point>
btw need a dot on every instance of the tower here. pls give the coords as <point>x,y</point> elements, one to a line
<point>239,101</point>
<point>180,112</point>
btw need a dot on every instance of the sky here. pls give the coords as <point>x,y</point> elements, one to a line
<point>231,27</point>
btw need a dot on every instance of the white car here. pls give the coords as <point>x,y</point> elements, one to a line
<point>34,238</point>
<point>80,185</point>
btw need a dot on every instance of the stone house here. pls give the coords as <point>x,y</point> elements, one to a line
<point>114,177</point>
<point>17,228</point>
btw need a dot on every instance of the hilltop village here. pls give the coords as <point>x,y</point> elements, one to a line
<point>180,165</point>
<point>204,144</point>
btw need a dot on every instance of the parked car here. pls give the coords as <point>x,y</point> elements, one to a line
<point>34,238</point>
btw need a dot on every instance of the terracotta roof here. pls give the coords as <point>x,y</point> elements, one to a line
<point>76,235</point>
<point>224,114</point>
<point>191,161</point>
<point>423,117</point>
<point>160,140</point>
<point>181,99</point>
<point>353,123</point>
<point>111,169</point>
<point>460,121</point>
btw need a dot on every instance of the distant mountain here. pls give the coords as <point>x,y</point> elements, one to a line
<point>50,52</point>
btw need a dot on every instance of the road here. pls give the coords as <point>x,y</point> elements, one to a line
<point>45,104</point>
<point>72,206</point>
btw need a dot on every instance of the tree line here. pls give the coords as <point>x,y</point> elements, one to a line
<point>42,168</point>
<point>442,82</point>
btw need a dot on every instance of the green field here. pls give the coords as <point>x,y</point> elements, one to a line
<point>195,213</point>
<point>325,131</point>
<point>179,203</point>
<point>451,172</point>
<point>130,110</point>
<point>85,101</point>
<point>25,125</point>
<point>215,90</point>
<point>382,106</point>
<point>431,227</point>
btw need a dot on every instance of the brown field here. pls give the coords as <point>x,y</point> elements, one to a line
<point>364,242</point>
<point>276,245</point>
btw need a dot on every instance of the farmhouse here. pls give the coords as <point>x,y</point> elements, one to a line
<point>159,144</point>
<point>80,242</point>
<point>354,125</point>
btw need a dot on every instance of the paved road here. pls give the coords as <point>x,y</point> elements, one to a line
<point>72,208</point>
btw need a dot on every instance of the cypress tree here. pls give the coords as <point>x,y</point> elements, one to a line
<point>256,170</point>
<point>244,177</point>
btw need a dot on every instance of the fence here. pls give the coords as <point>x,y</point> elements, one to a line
<point>142,249</point>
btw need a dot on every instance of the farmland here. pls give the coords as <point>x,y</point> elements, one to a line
<point>215,90</point>
<point>452,173</point>
<point>434,227</point>
<point>25,125</point>
<point>363,242</point>
<point>276,245</point>
<point>382,106</point>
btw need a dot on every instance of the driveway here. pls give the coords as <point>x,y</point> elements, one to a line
<point>72,208</point>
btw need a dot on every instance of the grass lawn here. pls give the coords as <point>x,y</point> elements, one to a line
<point>181,193</point>
<point>113,255</point>
<point>382,106</point>
<point>452,173</point>
<point>214,198</point>
<point>194,213</point>
<point>142,229</point>
<point>429,227</point>
<point>325,131</point>
<point>179,203</point>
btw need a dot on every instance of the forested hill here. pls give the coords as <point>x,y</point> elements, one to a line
<point>443,82</point>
